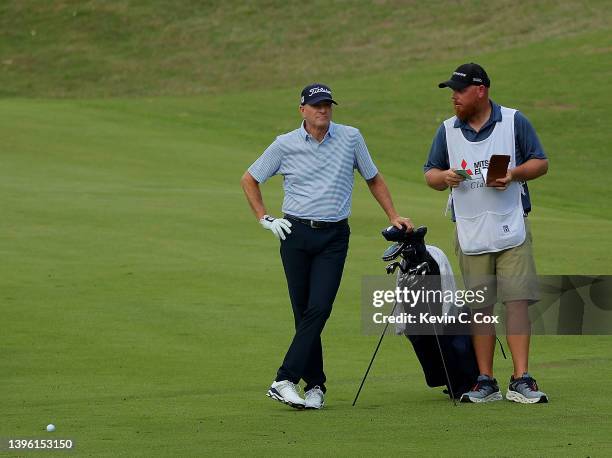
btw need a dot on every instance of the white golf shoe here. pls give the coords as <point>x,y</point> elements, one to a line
<point>287,393</point>
<point>315,398</point>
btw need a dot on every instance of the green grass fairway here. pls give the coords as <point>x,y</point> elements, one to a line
<point>67,48</point>
<point>144,310</point>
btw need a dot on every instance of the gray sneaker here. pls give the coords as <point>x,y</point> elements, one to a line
<point>485,390</point>
<point>525,390</point>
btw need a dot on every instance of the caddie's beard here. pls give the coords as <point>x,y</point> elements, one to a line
<point>465,113</point>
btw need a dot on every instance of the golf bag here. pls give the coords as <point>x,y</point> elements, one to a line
<point>417,267</point>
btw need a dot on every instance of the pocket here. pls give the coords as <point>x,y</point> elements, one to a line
<point>295,228</point>
<point>344,230</point>
<point>491,232</point>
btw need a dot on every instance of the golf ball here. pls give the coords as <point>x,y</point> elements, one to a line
<point>51,428</point>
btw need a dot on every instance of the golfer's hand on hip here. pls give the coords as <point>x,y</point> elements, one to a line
<point>400,221</point>
<point>278,226</point>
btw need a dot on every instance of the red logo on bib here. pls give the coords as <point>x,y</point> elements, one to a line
<point>464,165</point>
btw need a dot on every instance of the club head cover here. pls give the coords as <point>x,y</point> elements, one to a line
<point>393,234</point>
<point>410,245</point>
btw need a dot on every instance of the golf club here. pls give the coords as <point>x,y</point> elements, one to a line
<point>413,278</point>
<point>402,249</point>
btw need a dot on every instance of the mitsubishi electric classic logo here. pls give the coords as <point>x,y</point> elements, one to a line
<point>477,167</point>
<point>475,172</point>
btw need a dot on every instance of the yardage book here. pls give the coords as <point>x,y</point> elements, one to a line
<point>498,168</point>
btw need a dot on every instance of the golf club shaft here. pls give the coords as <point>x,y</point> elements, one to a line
<point>373,356</point>
<point>450,386</point>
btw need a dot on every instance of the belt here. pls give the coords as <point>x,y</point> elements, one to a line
<point>317,224</point>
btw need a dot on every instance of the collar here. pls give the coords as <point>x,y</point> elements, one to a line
<point>496,116</point>
<point>305,135</point>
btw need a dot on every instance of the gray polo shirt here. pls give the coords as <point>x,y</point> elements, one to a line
<point>317,177</point>
<point>527,144</point>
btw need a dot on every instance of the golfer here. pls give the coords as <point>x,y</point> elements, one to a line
<point>316,161</point>
<point>493,239</point>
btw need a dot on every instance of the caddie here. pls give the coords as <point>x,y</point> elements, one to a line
<point>493,238</point>
<point>317,162</point>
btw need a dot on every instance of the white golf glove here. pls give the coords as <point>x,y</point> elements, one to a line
<point>278,226</point>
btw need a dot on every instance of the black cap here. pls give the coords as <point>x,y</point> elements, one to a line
<point>315,93</point>
<point>467,75</point>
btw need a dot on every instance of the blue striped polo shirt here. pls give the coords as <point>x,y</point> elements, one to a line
<point>317,177</point>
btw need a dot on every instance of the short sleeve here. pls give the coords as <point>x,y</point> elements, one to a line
<point>438,153</point>
<point>268,164</point>
<point>363,161</point>
<point>528,144</point>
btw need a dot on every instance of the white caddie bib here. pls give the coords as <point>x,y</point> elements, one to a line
<point>488,220</point>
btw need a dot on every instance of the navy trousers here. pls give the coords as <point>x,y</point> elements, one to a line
<point>313,260</point>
